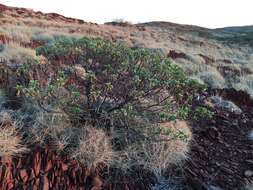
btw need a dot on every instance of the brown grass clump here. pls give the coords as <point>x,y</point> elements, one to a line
<point>94,148</point>
<point>17,54</point>
<point>160,152</point>
<point>178,140</point>
<point>10,142</point>
<point>53,129</point>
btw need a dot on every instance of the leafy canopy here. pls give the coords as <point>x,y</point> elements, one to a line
<point>118,80</point>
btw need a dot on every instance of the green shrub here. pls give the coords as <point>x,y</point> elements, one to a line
<point>202,113</point>
<point>118,81</point>
<point>115,97</point>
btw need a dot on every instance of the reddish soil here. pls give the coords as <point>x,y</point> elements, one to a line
<point>221,151</point>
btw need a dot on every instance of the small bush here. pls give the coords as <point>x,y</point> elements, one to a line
<point>202,113</point>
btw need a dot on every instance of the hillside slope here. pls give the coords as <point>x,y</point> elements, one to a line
<point>222,58</point>
<point>220,155</point>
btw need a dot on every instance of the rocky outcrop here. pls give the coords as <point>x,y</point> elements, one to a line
<point>222,104</point>
<point>240,98</point>
<point>175,55</point>
<point>43,169</point>
<point>222,150</point>
<point>3,8</point>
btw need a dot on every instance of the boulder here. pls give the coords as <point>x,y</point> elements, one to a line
<point>173,54</point>
<point>225,105</point>
<point>248,173</point>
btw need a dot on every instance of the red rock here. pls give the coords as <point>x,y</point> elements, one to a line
<point>37,164</point>
<point>3,7</point>
<point>46,183</point>
<point>175,55</point>
<point>24,175</point>
<point>64,167</point>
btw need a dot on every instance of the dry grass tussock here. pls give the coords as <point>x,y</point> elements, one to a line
<point>244,83</point>
<point>17,54</point>
<point>94,148</point>
<point>159,153</point>
<point>88,145</point>
<point>52,129</point>
<point>10,142</point>
<point>17,33</point>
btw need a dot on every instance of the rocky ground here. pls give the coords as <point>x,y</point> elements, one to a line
<point>221,158</point>
<point>222,152</point>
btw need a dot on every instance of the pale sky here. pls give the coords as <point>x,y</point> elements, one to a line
<point>206,13</point>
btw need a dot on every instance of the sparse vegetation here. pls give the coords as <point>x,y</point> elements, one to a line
<point>112,108</point>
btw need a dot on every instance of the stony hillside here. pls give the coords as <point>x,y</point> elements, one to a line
<point>221,58</point>
<point>217,153</point>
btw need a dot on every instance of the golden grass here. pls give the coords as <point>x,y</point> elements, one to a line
<point>94,148</point>
<point>17,54</point>
<point>10,141</point>
<point>52,127</point>
<point>158,154</point>
<point>244,83</point>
